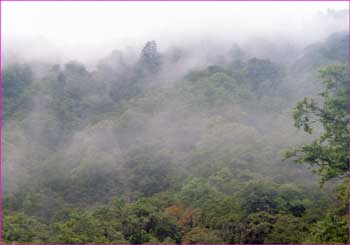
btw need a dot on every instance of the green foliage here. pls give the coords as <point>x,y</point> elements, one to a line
<point>271,198</point>
<point>201,235</point>
<point>259,226</point>
<point>329,152</point>
<point>332,229</point>
<point>261,74</point>
<point>20,228</point>
<point>287,229</point>
<point>121,155</point>
<point>16,80</point>
<point>196,192</point>
<point>80,226</point>
<point>212,88</point>
<point>149,176</point>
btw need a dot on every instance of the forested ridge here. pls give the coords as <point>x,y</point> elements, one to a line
<point>242,149</point>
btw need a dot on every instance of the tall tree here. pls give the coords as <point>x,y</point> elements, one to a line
<point>329,152</point>
<point>150,59</point>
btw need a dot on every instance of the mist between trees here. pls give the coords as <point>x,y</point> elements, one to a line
<point>179,146</point>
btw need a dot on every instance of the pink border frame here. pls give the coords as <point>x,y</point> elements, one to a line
<point>348,175</point>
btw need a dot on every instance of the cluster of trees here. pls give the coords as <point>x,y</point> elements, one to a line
<point>126,154</point>
<point>262,212</point>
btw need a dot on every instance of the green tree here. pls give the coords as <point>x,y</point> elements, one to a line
<point>80,226</point>
<point>150,60</point>
<point>259,226</point>
<point>20,228</point>
<point>287,229</point>
<point>330,151</point>
<point>16,81</point>
<point>262,74</point>
<point>332,229</point>
<point>201,235</point>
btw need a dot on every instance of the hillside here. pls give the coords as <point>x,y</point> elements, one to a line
<point>163,151</point>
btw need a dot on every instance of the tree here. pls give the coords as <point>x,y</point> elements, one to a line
<point>332,229</point>
<point>330,151</point>
<point>287,229</point>
<point>201,235</point>
<point>80,226</point>
<point>16,81</point>
<point>150,59</point>
<point>20,228</point>
<point>196,192</point>
<point>261,74</point>
<point>259,226</point>
<point>258,197</point>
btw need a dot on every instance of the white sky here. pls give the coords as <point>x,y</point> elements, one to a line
<point>98,23</point>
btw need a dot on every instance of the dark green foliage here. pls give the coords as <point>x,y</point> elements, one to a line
<point>259,225</point>
<point>272,198</point>
<point>149,174</point>
<point>288,229</point>
<point>16,80</point>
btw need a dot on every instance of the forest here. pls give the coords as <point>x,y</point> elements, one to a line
<point>237,148</point>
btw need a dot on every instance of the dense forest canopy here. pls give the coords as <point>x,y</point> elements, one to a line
<point>172,147</point>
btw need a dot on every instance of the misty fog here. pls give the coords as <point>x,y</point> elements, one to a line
<point>174,117</point>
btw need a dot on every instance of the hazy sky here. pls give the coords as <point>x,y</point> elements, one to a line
<point>79,24</point>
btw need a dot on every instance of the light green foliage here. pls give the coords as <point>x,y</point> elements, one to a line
<point>213,87</point>
<point>75,227</point>
<point>332,229</point>
<point>20,228</point>
<point>201,235</point>
<point>329,153</point>
<point>196,192</point>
